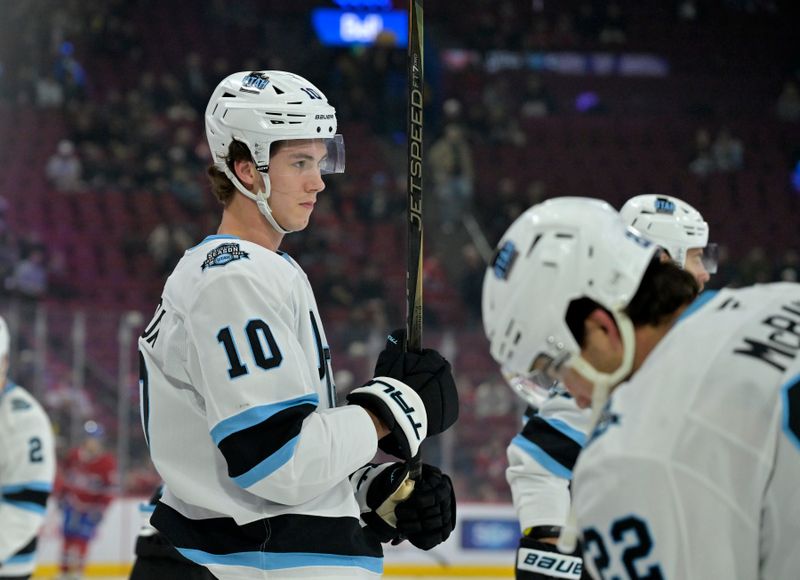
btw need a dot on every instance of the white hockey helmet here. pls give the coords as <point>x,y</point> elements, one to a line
<point>673,224</point>
<point>259,108</point>
<point>5,338</point>
<point>555,253</point>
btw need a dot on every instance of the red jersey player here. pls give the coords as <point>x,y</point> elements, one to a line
<point>87,482</point>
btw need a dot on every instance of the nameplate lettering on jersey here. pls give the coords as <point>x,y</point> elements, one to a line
<point>782,343</point>
<point>224,255</point>
<point>550,564</point>
<point>19,405</point>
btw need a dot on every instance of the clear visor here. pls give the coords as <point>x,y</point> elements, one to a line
<point>711,258</point>
<point>304,156</point>
<point>544,376</point>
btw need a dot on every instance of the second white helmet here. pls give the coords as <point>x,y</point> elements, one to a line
<point>557,252</point>
<point>671,223</point>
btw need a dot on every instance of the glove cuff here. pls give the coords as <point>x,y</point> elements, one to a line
<point>399,407</point>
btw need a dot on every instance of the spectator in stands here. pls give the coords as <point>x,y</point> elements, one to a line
<point>86,485</point>
<point>788,106</point>
<point>28,281</point>
<point>49,93</point>
<point>727,152</point>
<point>9,256</point>
<point>613,29</point>
<point>537,100</point>
<point>70,73</point>
<point>788,269</point>
<point>453,175</point>
<point>471,282</point>
<point>64,169</point>
<point>702,161</point>
<point>166,244</point>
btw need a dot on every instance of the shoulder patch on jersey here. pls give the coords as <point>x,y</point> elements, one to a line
<point>223,255</point>
<point>19,404</point>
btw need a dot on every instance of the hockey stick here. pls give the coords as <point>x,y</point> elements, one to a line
<point>414,266</point>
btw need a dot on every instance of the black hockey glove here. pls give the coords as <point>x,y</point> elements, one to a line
<point>378,489</point>
<point>428,516</point>
<point>538,560</point>
<point>428,373</point>
<point>400,408</point>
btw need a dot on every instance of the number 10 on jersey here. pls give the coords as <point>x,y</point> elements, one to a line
<point>264,349</point>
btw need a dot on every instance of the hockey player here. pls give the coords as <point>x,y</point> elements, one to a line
<point>541,457</point>
<point>85,488</point>
<point>693,463</point>
<point>238,400</point>
<point>27,470</point>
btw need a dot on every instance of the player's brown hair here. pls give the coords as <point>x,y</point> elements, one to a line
<point>222,187</point>
<point>665,287</point>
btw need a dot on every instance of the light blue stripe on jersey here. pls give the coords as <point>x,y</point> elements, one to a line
<point>541,457</point>
<point>43,486</point>
<point>698,303</point>
<point>214,237</point>
<point>281,561</point>
<point>256,415</point>
<point>793,436</point>
<point>268,466</point>
<point>568,430</point>
<point>20,559</point>
<point>27,506</point>
<point>146,508</point>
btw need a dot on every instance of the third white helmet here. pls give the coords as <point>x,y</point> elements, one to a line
<point>671,223</point>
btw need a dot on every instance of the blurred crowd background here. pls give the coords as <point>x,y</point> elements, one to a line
<point>102,172</point>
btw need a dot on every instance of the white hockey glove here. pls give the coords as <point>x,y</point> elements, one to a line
<point>538,560</point>
<point>400,408</point>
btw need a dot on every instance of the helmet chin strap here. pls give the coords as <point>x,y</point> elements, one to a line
<point>260,198</point>
<point>603,383</point>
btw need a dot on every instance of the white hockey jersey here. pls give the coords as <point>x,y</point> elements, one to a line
<point>27,470</point>
<point>541,459</point>
<point>238,407</point>
<point>694,469</point>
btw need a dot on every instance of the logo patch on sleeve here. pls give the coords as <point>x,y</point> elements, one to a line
<point>19,405</point>
<point>223,255</point>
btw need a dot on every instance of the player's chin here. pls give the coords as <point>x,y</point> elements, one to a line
<point>301,222</point>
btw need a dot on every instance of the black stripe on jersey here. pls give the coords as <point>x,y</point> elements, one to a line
<point>29,548</point>
<point>28,496</point>
<point>280,534</point>
<point>552,441</point>
<point>247,448</point>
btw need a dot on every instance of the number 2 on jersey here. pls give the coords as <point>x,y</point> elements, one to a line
<point>257,332</point>
<point>630,533</point>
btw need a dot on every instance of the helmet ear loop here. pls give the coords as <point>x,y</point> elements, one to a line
<point>260,198</point>
<point>263,202</point>
<point>603,383</point>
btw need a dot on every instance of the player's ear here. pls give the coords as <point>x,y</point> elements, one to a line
<point>600,319</point>
<point>245,171</point>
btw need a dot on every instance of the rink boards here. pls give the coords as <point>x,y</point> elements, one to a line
<point>482,545</point>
